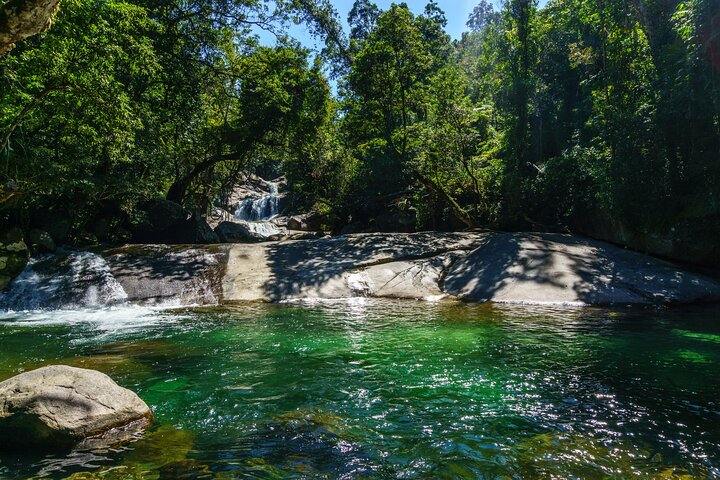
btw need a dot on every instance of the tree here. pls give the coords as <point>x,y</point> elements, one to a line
<point>519,50</point>
<point>20,19</point>
<point>277,97</point>
<point>482,15</point>
<point>362,19</point>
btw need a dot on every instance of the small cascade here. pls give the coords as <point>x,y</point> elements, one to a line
<point>260,209</point>
<point>68,280</point>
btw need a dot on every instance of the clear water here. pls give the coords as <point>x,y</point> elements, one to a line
<point>377,389</point>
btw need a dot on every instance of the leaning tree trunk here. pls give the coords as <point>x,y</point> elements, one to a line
<point>20,19</point>
<point>457,210</point>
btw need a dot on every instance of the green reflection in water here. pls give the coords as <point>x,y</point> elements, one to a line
<point>370,389</point>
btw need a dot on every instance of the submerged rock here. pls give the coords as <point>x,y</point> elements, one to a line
<point>58,406</point>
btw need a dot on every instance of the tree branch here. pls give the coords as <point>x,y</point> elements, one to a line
<point>20,19</point>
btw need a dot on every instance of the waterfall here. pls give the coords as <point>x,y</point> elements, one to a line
<point>258,209</point>
<point>69,280</point>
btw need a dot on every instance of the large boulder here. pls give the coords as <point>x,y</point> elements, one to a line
<point>168,275</point>
<point>13,255</point>
<point>198,231</point>
<point>687,240</point>
<point>548,268</point>
<point>243,232</point>
<point>169,222</point>
<point>309,222</point>
<point>164,214</point>
<point>521,268</point>
<point>57,406</point>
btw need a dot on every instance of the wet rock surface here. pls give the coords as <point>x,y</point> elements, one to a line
<point>168,275</point>
<point>64,280</point>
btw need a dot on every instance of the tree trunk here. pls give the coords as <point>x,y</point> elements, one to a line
<point>20,19</point>
<point>458,211</point>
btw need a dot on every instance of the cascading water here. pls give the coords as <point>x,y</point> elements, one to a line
<point>259,209</point>
<point>68,280</point>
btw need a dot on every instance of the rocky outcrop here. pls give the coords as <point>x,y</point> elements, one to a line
<point>13,255</point>
<point>169,275</point>
<point>690,241</point>
<point>560,269</point>
<point>497,267</point>
<point>471,266</point>
<point>57,406</point>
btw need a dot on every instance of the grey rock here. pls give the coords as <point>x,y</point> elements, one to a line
<point>198,231</point>
<point>469,266</point>
<point>309,222</point>
<point>479,267</point>
<point>57,406</point>
<point>241,232</point>
<point>168,274</point>
<point>561,269</point>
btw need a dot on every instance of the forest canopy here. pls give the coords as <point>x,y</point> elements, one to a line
<point>592,116</point>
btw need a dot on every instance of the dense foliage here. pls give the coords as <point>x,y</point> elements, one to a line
<point>122,102</point>
<point>589,115</point>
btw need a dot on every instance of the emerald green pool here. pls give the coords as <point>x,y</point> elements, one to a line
<point>380,389</point>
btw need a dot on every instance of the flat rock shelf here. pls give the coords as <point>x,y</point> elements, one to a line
<point>473,267</point>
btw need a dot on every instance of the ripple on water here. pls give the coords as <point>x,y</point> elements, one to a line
<point>383,389</point>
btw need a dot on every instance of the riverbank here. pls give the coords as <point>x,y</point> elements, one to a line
<point>520,268</point>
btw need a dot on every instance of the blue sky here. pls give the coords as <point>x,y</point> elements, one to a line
<point>456,11</point>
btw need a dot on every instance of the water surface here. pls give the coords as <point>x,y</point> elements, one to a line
<point>379,389</point>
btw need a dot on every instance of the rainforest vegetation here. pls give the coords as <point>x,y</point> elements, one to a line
<point>578,114</point>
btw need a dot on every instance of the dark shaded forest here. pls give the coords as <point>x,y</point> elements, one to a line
<point>586,116</point>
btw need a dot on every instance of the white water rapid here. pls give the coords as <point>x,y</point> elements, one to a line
<point>73,279</point>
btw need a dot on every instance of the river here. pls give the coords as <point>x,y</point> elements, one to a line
<point>364,388</point>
